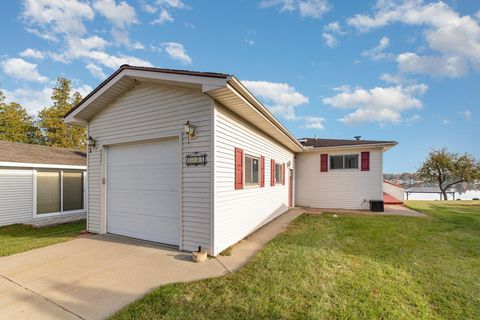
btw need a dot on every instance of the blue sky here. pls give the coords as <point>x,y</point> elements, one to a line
<point>387,70</point>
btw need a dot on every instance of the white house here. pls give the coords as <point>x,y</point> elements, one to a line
<point>194,159</point>
<point>40,182</point>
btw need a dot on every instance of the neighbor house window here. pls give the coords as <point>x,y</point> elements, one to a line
<point>59,191</point>
<point>252,170</point>
<point>278,173</point>
<point>347,161</point>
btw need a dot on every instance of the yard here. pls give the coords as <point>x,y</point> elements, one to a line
<point>18,237</point>
<point>345,267</point>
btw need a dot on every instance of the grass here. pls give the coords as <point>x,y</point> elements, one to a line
<point>348,267</point>
<point>19,238</point>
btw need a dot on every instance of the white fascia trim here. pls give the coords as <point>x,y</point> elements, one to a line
<point>384,146</point>
<point>40,165</point>
<point>208,83</point>
<point>239,87</point>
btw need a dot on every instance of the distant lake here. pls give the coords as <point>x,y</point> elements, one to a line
<point>467,195</point>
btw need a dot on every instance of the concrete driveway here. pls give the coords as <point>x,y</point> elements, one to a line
<point>91,277</point>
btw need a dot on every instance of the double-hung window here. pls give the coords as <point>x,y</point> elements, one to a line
<point>278,173</point>
<point>344,161</point>
<point>59,191</point>
<point>252,170</point>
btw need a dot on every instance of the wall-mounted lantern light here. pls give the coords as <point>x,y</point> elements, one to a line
<point>91,144</point>
<point>190,131</point>
<point>289,163</point>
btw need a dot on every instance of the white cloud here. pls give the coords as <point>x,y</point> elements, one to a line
<point>250,42</point>
<point>280,98</point>
<point>448,66</point>
<point>333,27</point>
<point>329,39</point>
<point>32,53</point>
<point>96,71</point>
<point>455,38</point>
<point>377,53</point>
<point>178,4</point>
<point>163,17</point>
<point>43,34</point>
<point>21,69</point>
<point>306,8</point>
<point>31,99</point>
<point>467,114</point>
<point>176,51</point>
<point>330,31</point>
<point>60,16</point>
<point>120,15</point>
<point>313,8</point>
<point>380,104</point>
<point>314,122</point>
<point>392,78</point>
<point>83,89</point>
<point>446,121</point>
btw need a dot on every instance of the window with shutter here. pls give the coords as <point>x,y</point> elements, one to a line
<point>365,161</point>
<point>238,168</point>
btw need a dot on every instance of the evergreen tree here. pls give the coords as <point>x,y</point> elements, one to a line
<point>54,131</point>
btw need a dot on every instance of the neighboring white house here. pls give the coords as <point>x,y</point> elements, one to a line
<point>39,182</point>
<point>194,159</point>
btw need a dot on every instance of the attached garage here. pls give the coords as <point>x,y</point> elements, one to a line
<point>194,159</point>
<point>143,191</point>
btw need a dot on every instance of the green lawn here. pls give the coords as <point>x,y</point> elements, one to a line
<point>348,267</point>
<point>18,237</point>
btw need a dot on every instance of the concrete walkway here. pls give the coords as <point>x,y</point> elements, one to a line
<point>390,210</point>
<point>93,276</point>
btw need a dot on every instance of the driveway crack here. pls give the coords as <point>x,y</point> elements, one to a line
<point>43,297</point>
<point>223,265</point>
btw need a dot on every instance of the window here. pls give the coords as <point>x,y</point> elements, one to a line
<point>59,191</point>
<point>347,161</point>
<point>278,173</point>
<point>252,170</point>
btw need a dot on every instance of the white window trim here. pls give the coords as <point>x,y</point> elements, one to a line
<point>280,164</point>
<point>60,213</point>
<point>343,155</point>
<point>251,185</point>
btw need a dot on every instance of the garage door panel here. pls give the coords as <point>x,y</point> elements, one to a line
<point>143,191</point>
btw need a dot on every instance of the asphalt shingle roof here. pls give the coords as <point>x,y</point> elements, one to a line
<point>321,143</point>
<point>32,153</point>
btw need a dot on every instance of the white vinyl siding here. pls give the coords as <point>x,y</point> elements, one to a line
<point>348,189</point>
<point>152,111</point>
<point>240,212</point>
<point>16,195</point>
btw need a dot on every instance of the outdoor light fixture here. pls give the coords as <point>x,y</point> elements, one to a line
<point>91,144</point>
<point>190,131</point>
<point>289,164</point>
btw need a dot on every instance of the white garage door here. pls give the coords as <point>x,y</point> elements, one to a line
<point>142,191</point>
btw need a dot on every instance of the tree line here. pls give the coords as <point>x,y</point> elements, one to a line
<point>47,126</point>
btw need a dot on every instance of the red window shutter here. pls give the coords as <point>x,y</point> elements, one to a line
<point>238,168</point>
<point>365,161</point>
<point>272,172</point>
<point>324,162</point>
<point>262,171</point>
<point>283,173</point>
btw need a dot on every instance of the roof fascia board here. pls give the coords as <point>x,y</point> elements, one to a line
<point>384,146</point>
<point>278,126</point>
<point>240,89</point>
<point>40,165</point>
